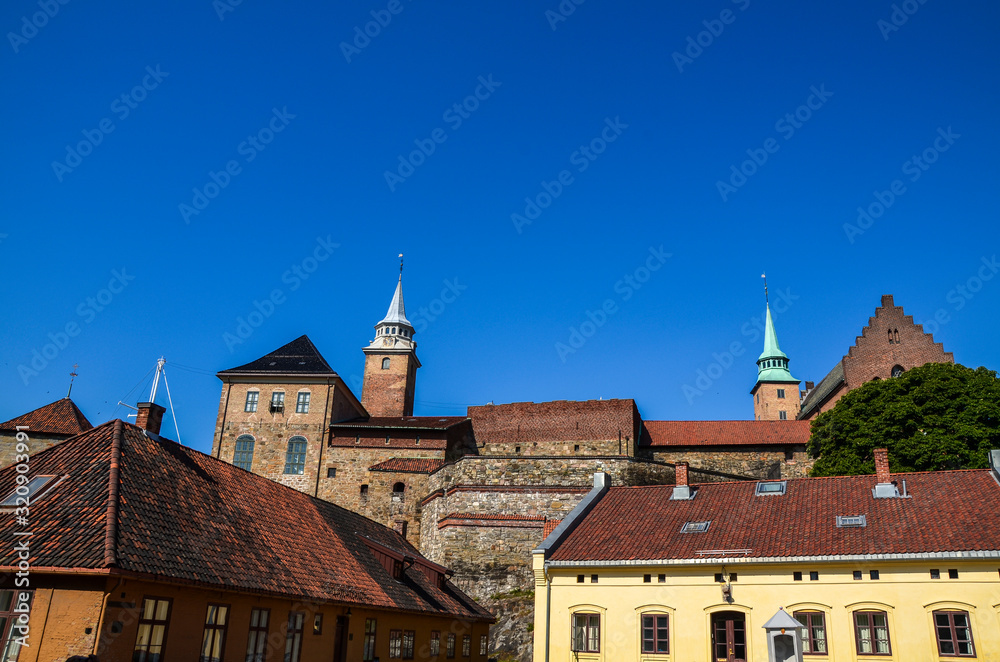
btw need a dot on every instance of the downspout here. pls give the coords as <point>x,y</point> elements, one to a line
<point>548,610</point>
<point>324,428</point>
<point>100,619</point>
<point>222,428</point>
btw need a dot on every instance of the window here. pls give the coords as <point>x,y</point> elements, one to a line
<point>385,364</point>
<point>857,574</point>
<point>9,601</point>
<point>295,458</point>
<point>435,643</point>
<point>661,579</point>
<point>152,630</point>
<point>897,370</point>
<point>871,632</point>
<point>873,574</point>
<point>587,633</point>
<point>695,527</point>
<point>796,576</point>
<point>364,494</point>
<point>408,637</point>
<point>953,573</point>
<point>579,579</point>
<point>278,401</point>
<point>954,634</point>
<point>781,393</point>
<point>483,644</point>
<point>814,575</point>
<point>257,641</point>
<point>576,448</point>
<point>293,640</point>
<point>214,637</point>
<point>647,579</point>
<point>935,574</point>
<point>243,457</point>
<point>776,487</point>
<point>23,495</point>
<point>655,633</point>
<point>397,491</point>
<point>331,472</point>
<point>302,403</point>
<point>252,398</point>
<point>450,645</point>
<point>395,643</point>
<point>317,623</point>
<point>593,579</point>
<point>466,645</point>
<point>851,521</point>
<point>814,632</point>
<point>782,415</point>
<point>368,652</point>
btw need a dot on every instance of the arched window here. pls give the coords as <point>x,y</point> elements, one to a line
<point>895,336</point>
<point>385,364</point>
<point>890,336</point>
<point>897,370</point>
<point>364,493</point>
<point>397,491</point>
<point>295,457</point>
<point>243,457</point>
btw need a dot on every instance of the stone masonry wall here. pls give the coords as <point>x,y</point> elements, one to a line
<point>763,462</point>
<point>36,444</point>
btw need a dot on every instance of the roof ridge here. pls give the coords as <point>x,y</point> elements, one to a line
<point>114,484</point>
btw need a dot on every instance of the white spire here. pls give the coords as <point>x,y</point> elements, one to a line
<point>397,311</point>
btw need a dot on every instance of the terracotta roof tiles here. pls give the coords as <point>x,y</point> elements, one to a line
<point>59,417</point>
<point>726,433</point>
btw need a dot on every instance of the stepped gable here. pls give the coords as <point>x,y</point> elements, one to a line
<point>943,512</point>
<point>669,434</point>
<point>299,357</point>
<point>558,420</point>
<point>135,504</point>
<point>61,417</point>
<point>891,339</point>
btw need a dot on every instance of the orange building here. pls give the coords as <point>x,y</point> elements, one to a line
<point>134,547</point>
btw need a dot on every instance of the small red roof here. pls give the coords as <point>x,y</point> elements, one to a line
<point>408,465</point>
<point>558,420</point>
<point>60,417</point>
<point>945,511</point>
<point>726,433</point>
<point>178,514</point>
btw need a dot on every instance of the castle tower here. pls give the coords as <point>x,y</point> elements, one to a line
<point>776,393</point>
<point>391,362</point>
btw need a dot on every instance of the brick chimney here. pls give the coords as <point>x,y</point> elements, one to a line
<point>884,489</point>
<point>149,417</point>
<point>682,492</point>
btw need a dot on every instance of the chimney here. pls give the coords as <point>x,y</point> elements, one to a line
<point>682,491</point>
<point>809,386</point>
<point>149,417</point>
<point>884,489</point>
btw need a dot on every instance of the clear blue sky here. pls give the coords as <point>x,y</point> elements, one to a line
<point>629,141</point>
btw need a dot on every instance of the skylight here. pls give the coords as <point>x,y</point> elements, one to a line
<point>695,527</point>
<point>848,521</point>
<point>774,487</point>
<point>23,495</point>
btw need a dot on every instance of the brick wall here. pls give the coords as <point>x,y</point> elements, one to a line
<point>389,392</point>
<point>59,622</point>
<point>770,399</point>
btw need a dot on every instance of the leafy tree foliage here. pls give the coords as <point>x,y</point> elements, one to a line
<point>937,416</point>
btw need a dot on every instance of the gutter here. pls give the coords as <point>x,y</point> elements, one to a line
<point>970,555</point>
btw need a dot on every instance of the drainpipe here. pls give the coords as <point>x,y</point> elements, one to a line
<point>100,619</point>
<point>222,427</point>
<point>324,429</point>
<point>548,610</point>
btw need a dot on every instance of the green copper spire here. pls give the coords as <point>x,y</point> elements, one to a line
<point>772,366</point>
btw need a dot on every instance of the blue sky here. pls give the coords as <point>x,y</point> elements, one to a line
<point>169,165</point>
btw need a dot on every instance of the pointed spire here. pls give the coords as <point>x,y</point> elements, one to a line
<point>397,310</point>
<point>772,365</point>
<point>771,348</point>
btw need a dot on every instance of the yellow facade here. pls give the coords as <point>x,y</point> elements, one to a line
<point>690,596</point>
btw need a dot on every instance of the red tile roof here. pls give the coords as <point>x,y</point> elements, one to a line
<point>559,420</point>
<point>136,505</point>
<point>492,520</point>
<point>947,511</point>
<point>408,465</point>
<point>60,417</point>
<point>726,433</point>
<point>404,422</point>
<point>550,526</point>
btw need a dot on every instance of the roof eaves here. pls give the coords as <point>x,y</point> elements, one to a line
<point>827,558</point>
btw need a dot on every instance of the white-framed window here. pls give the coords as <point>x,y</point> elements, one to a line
<point>586,633</point>
<point>295,457</point>
<point>252,399</point>
<point>302,403</point>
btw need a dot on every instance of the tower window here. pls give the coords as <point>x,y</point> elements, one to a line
<point>243,456</point>
<point>782,415</point>
<point>252,397</point>
<point>781,393</point>
<point>295,457</point>
<point>302,403</point>
<point>897,370</point>
<point>278,401</point>
<point>397,491</point>
<point>385,364</point>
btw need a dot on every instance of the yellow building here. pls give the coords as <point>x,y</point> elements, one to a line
<point>899,568</point>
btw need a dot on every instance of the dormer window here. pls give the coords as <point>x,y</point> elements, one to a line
<point>26,495</point>
<point>695,527</point>
<point>775,487</point>
<point>851,521</point>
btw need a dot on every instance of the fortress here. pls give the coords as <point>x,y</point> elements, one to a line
<point>477,492</point>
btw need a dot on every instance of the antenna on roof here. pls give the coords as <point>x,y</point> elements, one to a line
<point>72,374</point>
<point>152,395</point>
<point>764,276</point>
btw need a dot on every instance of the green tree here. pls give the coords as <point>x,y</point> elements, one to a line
<point>937,416</point>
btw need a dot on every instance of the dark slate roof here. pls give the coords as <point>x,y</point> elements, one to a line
<point>947,511</point>
<point>185,516</point>
<point>665,434</point>
<point>59,417</point>
<point>299,357</point>
<point>402,422</point>
<point>822,391</point>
